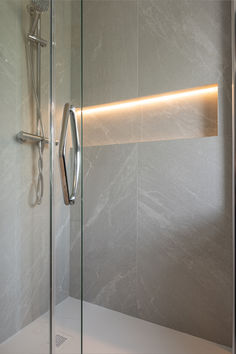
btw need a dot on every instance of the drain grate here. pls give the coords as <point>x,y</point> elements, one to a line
<point>60,340</point>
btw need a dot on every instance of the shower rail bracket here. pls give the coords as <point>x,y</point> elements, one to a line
<point>37,40</point>
<point>24,137</point>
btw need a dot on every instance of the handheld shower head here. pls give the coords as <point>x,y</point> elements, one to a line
<point>40,5</point>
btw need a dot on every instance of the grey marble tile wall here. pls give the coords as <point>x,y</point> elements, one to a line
<point>157,215</point>
<point>183,44</point>
<point>62,81</point>
<point>110,227</point>
<point>110,34</point>
<point>76,52</point>
<point>75,250</point>
<point>75,210</point>
<point>185,206</point>
<point>158,239</point>
<point>184,239</point>
<point>24,228</point>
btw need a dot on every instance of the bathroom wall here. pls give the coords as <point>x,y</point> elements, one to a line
<point>157,215</point>
<point>24,227</point>
<point>75,210</point>
<point>62,95</point>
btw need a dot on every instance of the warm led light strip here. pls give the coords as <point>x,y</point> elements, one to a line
<point>150,99</point>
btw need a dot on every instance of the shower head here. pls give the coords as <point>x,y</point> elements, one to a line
<point>36,9</point>
<point>40,5</point>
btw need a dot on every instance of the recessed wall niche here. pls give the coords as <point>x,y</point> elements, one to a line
<point>174,115</point>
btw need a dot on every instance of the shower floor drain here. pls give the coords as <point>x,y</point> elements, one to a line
<point>60,340</point>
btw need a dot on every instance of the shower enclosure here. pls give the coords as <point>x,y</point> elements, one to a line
<point>116,217</point>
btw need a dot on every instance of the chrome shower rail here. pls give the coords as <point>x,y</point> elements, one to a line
<point>24,137</point>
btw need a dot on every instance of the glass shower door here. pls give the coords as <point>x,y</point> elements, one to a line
<point>67,176</point>
<point>24,177</point>
<point>40,96</point>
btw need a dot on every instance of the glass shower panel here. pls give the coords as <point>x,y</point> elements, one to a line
<point>66,204</point>
<point>24,176</point>
<point>157,177</point>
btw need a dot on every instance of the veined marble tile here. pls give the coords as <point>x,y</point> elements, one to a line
<point>110,209</point>
<point>184,247</point>
<point>183,44</point>
<point>110,51</point>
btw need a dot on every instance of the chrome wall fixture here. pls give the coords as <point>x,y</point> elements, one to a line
<point>24,137</point>
<point>69,113</point>
<point>34,41</point>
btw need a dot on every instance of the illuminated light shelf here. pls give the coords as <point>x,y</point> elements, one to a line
<point>180,114</point>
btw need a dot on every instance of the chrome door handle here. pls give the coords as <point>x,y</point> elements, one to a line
<point>69,112</point>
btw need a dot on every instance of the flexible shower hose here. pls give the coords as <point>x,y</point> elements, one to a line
<point>40,129</point>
